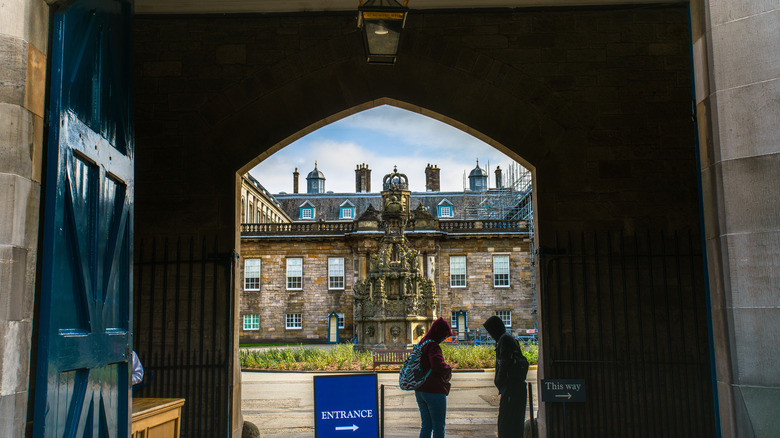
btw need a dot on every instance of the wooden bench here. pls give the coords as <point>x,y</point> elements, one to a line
<point>389,357</point>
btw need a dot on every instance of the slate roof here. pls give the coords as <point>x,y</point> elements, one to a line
<point>327,204</point>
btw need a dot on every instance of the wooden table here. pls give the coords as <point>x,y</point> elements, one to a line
<point>156,417</point>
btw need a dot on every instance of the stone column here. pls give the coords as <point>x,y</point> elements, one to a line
<point>23,47</point>
<point>736,51</point>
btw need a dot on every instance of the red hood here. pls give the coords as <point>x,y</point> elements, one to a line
<point>439,331</point>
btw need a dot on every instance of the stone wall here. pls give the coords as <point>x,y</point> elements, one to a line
<point>315,301</point>
<point>737,63</point>
<point>23,48</point>
<point>593,100</point>
<point>480,299</point>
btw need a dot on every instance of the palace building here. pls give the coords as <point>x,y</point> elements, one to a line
<point>258,206</point>
<point>300,279</point>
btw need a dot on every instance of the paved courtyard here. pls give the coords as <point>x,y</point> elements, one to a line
<point>281,404</point>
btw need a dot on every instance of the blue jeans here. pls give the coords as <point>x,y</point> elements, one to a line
<point>433,412</point>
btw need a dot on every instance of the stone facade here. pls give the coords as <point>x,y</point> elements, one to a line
<point>258,206</point>
<point>479,298</point>
<point>314,301</point>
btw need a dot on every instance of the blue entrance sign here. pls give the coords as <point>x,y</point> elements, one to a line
<point>346,406</point>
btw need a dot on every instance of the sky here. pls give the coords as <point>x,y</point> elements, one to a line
<point>382,137</point>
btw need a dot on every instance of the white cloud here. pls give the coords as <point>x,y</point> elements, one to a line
<point>416,130</point>
<point>382,138</point>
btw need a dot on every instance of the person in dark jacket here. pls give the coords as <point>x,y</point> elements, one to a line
<point>511,372</point>
<point>432,395</point>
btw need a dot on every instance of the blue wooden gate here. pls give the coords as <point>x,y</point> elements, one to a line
<point>84,331</point>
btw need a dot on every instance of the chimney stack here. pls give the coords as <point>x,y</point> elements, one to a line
<point>362,178</point>
<point>498,178</point>
<point>432,179</point>
<point>295,180</point>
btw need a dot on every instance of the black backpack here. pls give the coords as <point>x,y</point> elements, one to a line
<point>519,366</point>
<point>412,376</point>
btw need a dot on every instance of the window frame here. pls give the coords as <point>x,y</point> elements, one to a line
<point>251,321</point>
<point>341,320</point>
<point>446,211</point>
<point>333,279</point>
<point>343,210</point>
<point>307,213</point>
<point>258,277</point>
<point>504,277</point>
<point>293,321</point>
<point>462,277</point>
<point>506,317</point>
<point>296,285</point>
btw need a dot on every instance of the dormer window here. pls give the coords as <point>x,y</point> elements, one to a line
<point>444,209</point>
<point>306,211</point>
<point>347,210</point>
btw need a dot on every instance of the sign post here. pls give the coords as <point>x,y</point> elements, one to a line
<point>563,391</point>
<point>345,405</point>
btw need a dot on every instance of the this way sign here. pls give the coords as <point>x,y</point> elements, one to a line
<point>563,390</point>
<point>345,406</point>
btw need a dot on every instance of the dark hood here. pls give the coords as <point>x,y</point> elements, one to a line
<point>439,331</point>
<point>495,326</point>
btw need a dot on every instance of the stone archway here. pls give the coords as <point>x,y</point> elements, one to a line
<point>556,87</point>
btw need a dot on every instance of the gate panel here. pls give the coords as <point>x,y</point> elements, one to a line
<point>84,333</point>
<point>628,315</point>
<point>183,323</point>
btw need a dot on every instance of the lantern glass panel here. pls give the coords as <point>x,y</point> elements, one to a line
<point>382,37</point>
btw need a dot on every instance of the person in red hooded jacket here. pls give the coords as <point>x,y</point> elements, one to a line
<point>432,395</point>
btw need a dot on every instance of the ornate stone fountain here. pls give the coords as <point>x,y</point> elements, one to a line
<point>395,302</point>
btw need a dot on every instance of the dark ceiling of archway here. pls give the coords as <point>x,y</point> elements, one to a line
<point>270,6</point>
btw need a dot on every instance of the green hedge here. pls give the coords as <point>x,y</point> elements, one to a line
<point>345,357</point>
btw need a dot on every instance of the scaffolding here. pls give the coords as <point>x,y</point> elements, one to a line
<point>513,201</point>
<point>510,202</point>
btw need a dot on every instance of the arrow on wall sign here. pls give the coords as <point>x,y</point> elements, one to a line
<point>352,428</point>
<point>567,396</point>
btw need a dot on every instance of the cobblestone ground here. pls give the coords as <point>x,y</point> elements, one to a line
<point>282,404</point>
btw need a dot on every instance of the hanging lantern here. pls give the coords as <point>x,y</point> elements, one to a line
<point>382,22</point>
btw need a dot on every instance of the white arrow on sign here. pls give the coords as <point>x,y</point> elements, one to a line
<point>566,396</point>
<point>352,428</point>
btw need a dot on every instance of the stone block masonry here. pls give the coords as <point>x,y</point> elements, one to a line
<point>480,299</point>
<point>23,37</point>
<point>315,301</point>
